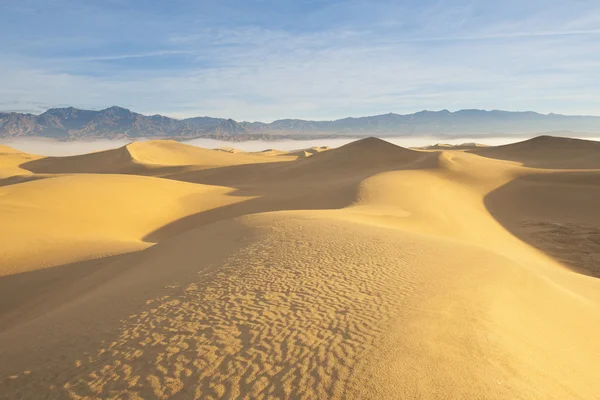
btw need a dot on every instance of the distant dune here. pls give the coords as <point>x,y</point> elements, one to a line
<point>370,271</point>
<point>142,157</point>
<point>548,152</point>
<point>463,146</point>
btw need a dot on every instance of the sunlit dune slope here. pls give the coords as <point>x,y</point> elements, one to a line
<point>166,152</point>
<point>63,219</point>
<point>11,160</point>
<point>369,271</point>
<point>290,300</point>
<point>548,152</point>
<point>142,158</point>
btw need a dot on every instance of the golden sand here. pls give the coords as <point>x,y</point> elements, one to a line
<point>370,271</point>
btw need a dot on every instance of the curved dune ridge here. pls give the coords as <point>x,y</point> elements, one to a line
<point>368,271</point>
<point>548,152</point>
<point>152,157</point>
<point>11,161</point>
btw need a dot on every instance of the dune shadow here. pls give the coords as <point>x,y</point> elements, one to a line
<point>305,184</point>
<point>13,180</point>
<point>27,295</point>
<point>555,213</point>
<point>547,152</point>
<point>113,161</point>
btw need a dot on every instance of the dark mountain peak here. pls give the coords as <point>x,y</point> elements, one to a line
<point>473,111</point>
<point>118,112</point>
<point>116,109</point>
<point>63,111</point>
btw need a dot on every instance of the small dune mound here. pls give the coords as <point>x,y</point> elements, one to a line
<point>548,152</point>
<point>272,152</point>
<point>472,144</point>
<point>462,146</point>
<point>232,150</point>
<point>437,146</point>
<point>300,153</point>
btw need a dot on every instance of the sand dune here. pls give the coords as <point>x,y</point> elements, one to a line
<point>11,161</point>
<point>152,157</point>
<point>366,271</point>
<point>462,146</point>
<point>306,152</point>
<point>64,219</point>
<point>548,152</point>
<point>271,152</point>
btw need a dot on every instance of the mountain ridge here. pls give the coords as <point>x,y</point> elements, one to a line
<point>71,123</point>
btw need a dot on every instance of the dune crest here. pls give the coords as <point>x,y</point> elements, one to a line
<point>364,271</point>
<point>548,152</point>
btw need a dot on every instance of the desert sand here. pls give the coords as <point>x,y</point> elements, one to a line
<point>370,271</point>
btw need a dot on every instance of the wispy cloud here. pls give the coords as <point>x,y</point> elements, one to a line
<point>160,53</point>
<point>510,35</point>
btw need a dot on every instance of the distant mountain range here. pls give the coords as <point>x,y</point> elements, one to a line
<point>116,122</point>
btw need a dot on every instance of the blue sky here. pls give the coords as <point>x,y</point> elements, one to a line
<point>317,59</point>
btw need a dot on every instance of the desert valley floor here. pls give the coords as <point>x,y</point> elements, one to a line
<point>165,271</point>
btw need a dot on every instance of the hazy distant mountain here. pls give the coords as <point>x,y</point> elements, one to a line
<point>116,122</point>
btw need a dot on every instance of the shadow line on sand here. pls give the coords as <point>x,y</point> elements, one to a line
<point>284,186</point>
<point>555,213</point>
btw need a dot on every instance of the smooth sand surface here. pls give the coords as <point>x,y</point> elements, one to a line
<point>370,271</point>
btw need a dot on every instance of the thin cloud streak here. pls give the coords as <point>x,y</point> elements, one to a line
<point>515,35</point>
<point>128,56</point>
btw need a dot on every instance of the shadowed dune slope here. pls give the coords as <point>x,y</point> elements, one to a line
<point>369,271</point>
<point>548,152</point>
<point>347,164</point>
<point>365,153</point>
<point>555,212</point>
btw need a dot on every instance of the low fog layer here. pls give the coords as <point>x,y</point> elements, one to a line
<point>54,148</point>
